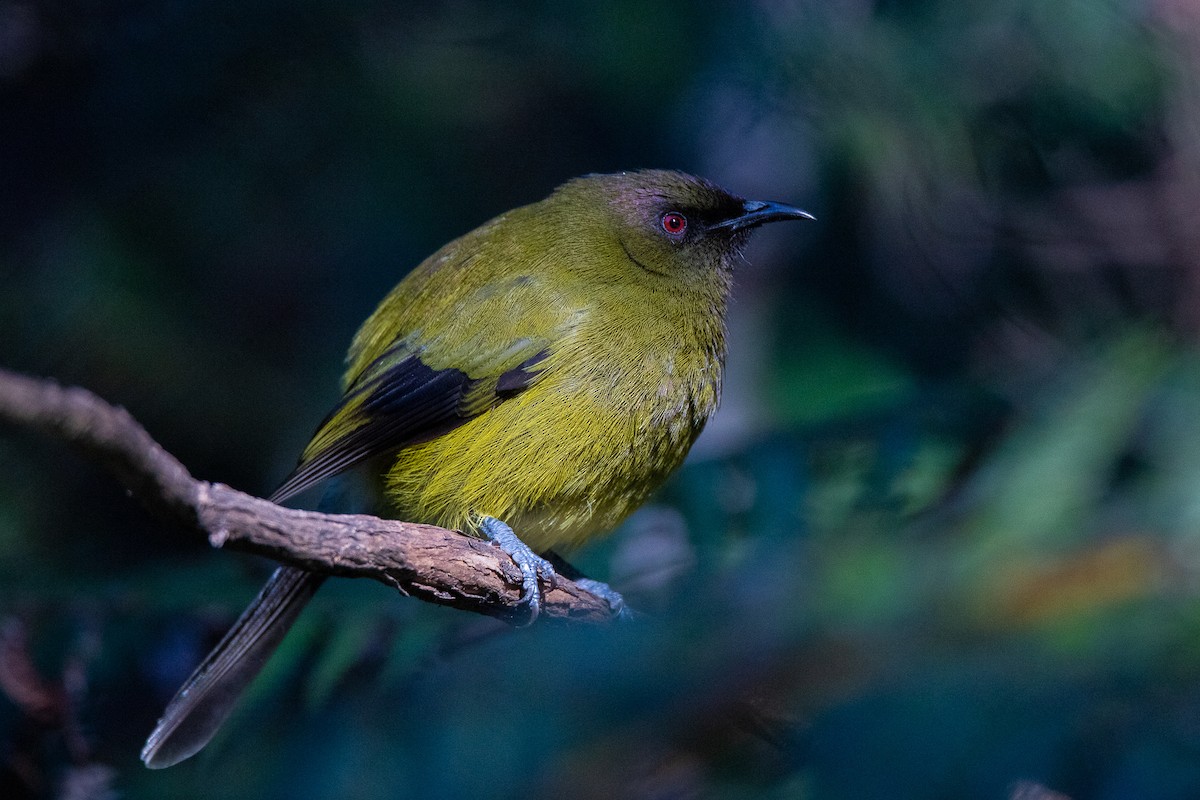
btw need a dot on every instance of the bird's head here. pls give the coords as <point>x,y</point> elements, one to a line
<point>663,225</point>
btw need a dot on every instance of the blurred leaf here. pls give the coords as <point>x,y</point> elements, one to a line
<point>338,654</point>
<point>823,376</point>
<point>1045,481</point>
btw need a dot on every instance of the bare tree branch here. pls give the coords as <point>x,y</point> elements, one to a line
<point>433,564</point>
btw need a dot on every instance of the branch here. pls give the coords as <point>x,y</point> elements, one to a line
<point>434,564</point>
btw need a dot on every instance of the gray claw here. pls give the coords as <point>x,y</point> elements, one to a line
<point>533,567</point>
<point>610,595</point>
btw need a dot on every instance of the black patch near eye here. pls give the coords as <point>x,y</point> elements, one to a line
<point>727,209</point>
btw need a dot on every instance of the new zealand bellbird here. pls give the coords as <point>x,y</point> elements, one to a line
<point>542,374</point>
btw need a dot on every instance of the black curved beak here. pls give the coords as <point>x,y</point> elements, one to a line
<point>759,212</point>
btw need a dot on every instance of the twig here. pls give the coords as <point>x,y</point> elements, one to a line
<point>434,564</point>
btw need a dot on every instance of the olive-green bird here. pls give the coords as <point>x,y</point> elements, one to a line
<point>532,382</point>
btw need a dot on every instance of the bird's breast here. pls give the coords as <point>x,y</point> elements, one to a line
<point>573,454</point>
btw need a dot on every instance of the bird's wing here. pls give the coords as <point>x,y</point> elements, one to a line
<point>399,400</point>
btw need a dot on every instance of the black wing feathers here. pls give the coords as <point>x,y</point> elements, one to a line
<point>401,405</point>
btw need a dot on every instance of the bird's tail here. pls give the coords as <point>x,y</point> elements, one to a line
<point>207,697</point>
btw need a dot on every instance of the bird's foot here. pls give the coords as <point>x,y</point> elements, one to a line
<point>608,594</point>
<point>533,567</point>
<point>616,602</point>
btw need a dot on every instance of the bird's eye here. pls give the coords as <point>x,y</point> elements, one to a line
<point>674,223</point>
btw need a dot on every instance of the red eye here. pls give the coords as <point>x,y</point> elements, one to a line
<point>674,223</point>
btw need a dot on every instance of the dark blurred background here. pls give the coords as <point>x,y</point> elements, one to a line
<point>942,539</point>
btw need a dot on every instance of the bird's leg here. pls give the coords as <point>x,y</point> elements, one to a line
<point>532,565</point>
<point>599,588</point>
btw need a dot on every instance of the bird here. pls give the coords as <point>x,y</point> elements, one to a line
<point>532,382</point>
